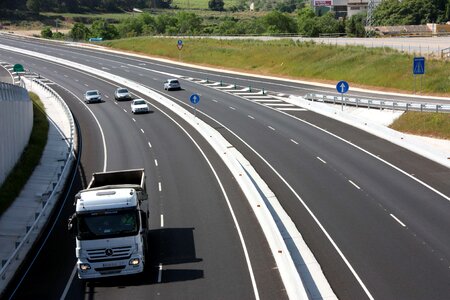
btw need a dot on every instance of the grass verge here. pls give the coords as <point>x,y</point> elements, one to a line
<point>381,68</point>
<point>29,159</point>
<point>378,68</point>
<point>435,125</point>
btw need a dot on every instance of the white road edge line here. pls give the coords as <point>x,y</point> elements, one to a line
<point>69,283</point>
<point>396,219</point>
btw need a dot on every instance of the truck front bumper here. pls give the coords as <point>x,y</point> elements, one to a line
<point>88,270</point>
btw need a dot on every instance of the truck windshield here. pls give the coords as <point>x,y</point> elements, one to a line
<point>108,225</point>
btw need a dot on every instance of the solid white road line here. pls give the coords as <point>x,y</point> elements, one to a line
<point>69,283</point>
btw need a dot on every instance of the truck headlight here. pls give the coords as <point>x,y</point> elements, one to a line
<point>134,261</point>
<point>85,267</point>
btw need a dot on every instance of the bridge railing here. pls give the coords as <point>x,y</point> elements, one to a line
<point>52,192</point>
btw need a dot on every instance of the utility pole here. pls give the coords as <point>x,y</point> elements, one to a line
<point>369,20</point>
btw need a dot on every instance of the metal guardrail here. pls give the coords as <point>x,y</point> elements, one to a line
<point>378,104</point>
<point>48,198</point>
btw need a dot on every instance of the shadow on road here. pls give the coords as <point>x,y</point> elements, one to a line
<point>168,247</point>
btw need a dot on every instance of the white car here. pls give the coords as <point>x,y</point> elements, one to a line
<point>172,84</point>
<point>139,106</point>
<point>92,96</point>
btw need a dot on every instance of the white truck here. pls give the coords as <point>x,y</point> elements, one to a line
<point>110,224</point>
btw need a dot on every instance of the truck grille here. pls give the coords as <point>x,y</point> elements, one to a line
<point>106,254</point>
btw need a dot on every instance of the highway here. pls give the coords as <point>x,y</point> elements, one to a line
<point>375,215</point>
<point>193,234</point>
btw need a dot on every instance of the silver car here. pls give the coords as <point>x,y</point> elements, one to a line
<point>172,84</point>
<point>122,94</point>
<point>92,96</point>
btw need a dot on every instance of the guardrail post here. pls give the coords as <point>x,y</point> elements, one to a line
<point>368,103</point>
<point>407,105</point>
<point>250,88</point>
<point>437,107</point>
<point>207,80</point>
<point>381,105</point>
<point>334,99</point>
<point>221,83</point>
<point>263,91</point>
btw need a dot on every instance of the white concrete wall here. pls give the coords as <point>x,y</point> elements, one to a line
<point>16,123</point>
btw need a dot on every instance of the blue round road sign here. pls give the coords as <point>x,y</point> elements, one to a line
<point>194,98</point>
<point>342,87</point>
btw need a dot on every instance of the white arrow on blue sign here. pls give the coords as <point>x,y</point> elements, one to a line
<point>342,87</point>
<point>194,98</point>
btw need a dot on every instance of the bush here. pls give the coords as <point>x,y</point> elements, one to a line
<point>46,33</point>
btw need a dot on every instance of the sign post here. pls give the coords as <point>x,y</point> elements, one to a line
<point>195,99</point>
<point>342,88</point>
<point>180,46</point>
<point>418,69</point>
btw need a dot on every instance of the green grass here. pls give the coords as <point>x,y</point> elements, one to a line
<point>29,159</point>
<point>436,125</point>
<point>384,69</point>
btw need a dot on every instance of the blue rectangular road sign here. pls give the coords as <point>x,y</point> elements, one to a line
<point>419,66</point>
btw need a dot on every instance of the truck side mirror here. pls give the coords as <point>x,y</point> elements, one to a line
<point>71,222</point>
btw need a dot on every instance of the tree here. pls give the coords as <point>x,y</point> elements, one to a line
<point>188,23</point>
<point>216,5</point>
<point>406,12</point>
<point>277,22</point>
<point>355,25</point>
<point>34,5</point>
<point>101,28</point>
<point>79,32</point>
<point>307,22</point>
